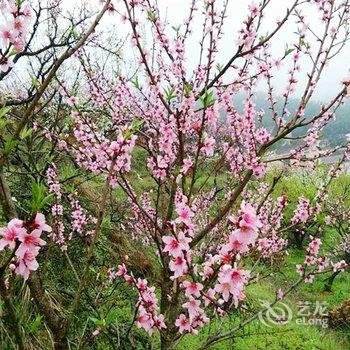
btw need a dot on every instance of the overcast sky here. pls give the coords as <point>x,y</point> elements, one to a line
<point>177,10</point>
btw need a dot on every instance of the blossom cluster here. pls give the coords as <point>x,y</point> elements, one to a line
<point>97,154</point>
<point>302,212</point>
<point>80,220</point>
<point>247,232</point>
<point>148,316</point>
<point>272,241</point>
<point>320,263</point>
<point>57,235</point>
<point>24,240</point>
<point>230,279</point>
<point>14,18</point>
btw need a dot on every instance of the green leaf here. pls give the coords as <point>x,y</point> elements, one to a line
<point>170,93</point>
<point>262,38</point>
<point>3,123</point>
<point>208,99</point>
<point>112,316</point>
<point>176,29</point>
<point>135,82</point>
<point>35,81</point>
<point>188,89</point>
<point>219,67</point>
<point>136,124</point>
<point>151,15</point>
<point>13,53</point>
<point>94,319</point>
<point>35,325</point>
<point>3,111</point>
<point>9,145</point>
<point>26,132</point>
<point>98,323</point>
<point>288,50</point>
<point>39,198</point>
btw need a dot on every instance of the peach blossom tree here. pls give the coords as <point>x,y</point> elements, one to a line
<point>185,170</point>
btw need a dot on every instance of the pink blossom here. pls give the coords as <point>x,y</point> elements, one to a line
<point>238,242</point>
<point>225,289</point>
<point>314,246</point>
<point>6,36</point>
<point>299,269</point>
<point>159,322</point>
<point>122,270</point>
<point>309,279</point>
<point>97,331</point>
<point>254,9</point>
<point>249,220</point>
<point>27,261</point>
<point>178,266</point>
<point>30,242</point>
<point>232,275</point>
<point>172,246</point>
<point>208,145</point>
<point>10,233</point>
<point>40,223</point>
<point>184,214</point>
<point>175,246</point>
<point>192,306</point>
<point>280,294</point>
<point>302,212</point>
<point>209,296</point>
<point>6,63</point>
<point>339,266</point>
<point>192,288</point>
<point>231,281</point>
<point>309,260</point>
<point>183,324</point>
<point>72,101</point>
<point>144,320</point>
<point>186,165</point>
<point>242,238</point>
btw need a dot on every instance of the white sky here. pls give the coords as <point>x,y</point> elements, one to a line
<point>177,10</point>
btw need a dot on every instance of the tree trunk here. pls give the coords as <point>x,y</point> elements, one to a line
<point>330,280</point>
<point>169,308</point>
<point>56,323</point>
<point>299,238</point>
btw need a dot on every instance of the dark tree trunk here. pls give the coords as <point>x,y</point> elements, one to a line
<point>330,280</point>
<point>56,323</point>
<point>169,308</point>
<point>299,239</point>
